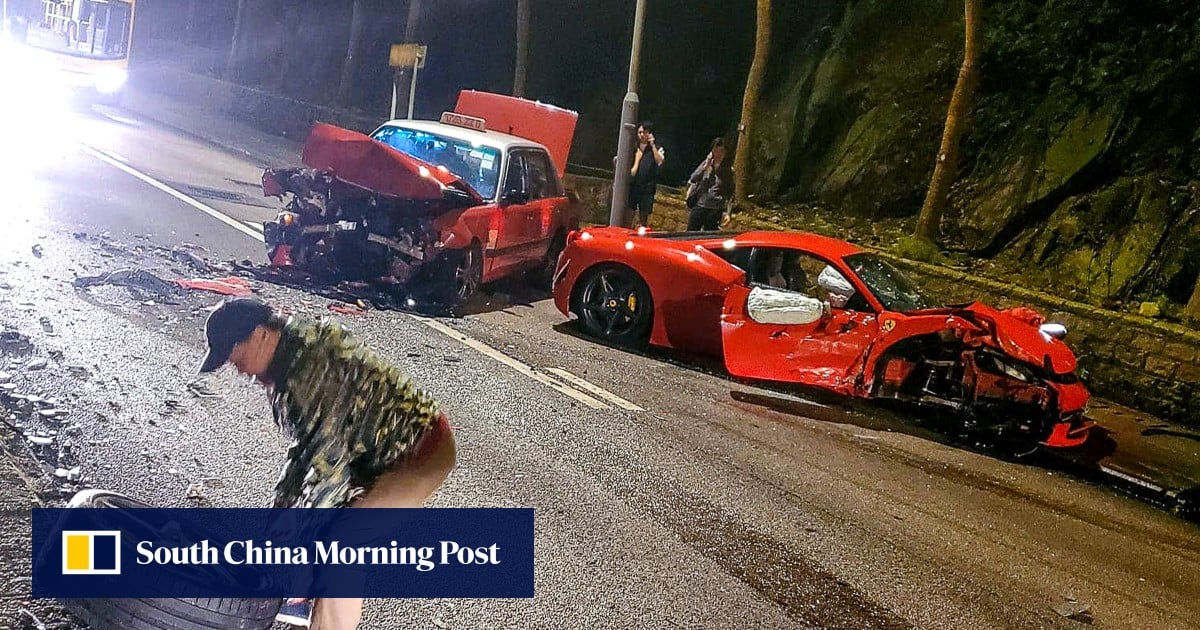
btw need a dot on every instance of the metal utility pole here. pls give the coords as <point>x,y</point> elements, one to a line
<point>629,111</point>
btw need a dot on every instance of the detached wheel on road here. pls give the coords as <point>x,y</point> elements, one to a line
<point>168,613</point>
<point>614,304</point>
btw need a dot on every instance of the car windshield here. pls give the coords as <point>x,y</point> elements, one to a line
<point>894,290</point>
<point>478,166</point>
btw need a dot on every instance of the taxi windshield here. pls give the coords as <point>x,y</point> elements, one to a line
<point>478,166</point>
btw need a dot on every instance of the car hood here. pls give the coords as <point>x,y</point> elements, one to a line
<point>358,159</point>
<point>1017,333</point>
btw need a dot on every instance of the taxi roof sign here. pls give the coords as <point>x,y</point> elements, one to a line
<point>462,120</point>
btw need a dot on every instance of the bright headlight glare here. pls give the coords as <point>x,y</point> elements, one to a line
<point>110,80</point>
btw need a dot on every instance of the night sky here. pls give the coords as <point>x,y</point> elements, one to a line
<point>694,59</point>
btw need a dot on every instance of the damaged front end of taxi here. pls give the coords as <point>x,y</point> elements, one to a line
<point>1003,372</point>
<point>362,211</point>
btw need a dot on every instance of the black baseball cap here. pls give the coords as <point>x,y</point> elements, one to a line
<point>230,325</point>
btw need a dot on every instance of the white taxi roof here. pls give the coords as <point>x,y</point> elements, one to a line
<point>493,139</point>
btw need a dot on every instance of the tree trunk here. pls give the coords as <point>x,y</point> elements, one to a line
<point>522,47</point>
<point>1191,312</point>
<point>946,166</point>
<point>357,21</point>
<point>762,51</point>
<point>403,76</point>
<point>235,43</point>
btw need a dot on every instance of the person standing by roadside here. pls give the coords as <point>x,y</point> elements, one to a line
<point>710,190</point>
<point>364,435</point>
<point>644,181</point>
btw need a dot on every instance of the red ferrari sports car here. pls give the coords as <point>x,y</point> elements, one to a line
<point>817,311</point>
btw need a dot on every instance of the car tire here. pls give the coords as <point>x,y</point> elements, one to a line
<point>165,613</point>
<point>456,277</point>
<point>614,304</point>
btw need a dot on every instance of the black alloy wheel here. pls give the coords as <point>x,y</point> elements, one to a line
<point>614,304</point>
<point>468,274</point>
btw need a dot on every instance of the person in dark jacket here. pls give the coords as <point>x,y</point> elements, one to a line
<point>644,181</point>
<point>710,190</point>
<point>363,434</point>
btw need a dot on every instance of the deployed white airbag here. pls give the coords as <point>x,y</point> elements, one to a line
<point>773,306</point>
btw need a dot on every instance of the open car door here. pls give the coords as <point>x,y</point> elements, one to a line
<point>772,334</point>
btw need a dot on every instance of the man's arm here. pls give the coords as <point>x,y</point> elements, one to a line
<point>698,174</point>
<point>637,159</point>
<point>657,151</point>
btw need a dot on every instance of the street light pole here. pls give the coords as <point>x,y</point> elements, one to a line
<point>629,111</point>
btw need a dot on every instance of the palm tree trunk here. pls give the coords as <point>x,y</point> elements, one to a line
<point>357,21</point>
<point>522,47</point>
<point>944,169</point>
<point>758,67</point>
<point>235,43</point>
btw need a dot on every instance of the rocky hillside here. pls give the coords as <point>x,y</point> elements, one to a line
<point>1080,162</point>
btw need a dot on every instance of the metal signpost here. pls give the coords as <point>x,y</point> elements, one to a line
<point>629,110</point>
<point>408,56</point>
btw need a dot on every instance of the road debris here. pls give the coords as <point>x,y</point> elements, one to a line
<point>37,623</point>
<point>347,309</point>
<point>36,364</point>
<point>232,285</point>
<point>133,278</point>
<point>1073,609</point>
<point>192,260</point>
<point>37,251</point>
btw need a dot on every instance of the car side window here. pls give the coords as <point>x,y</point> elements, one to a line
<point>794,270</point>
<point>543,181</point>
<point>514,177</point>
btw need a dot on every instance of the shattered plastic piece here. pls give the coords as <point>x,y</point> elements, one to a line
<point>37,251</point>
<point>36,364</point>
<point>195,491</point>
<point>225,286</point>
<point>40,440</point>
<point>61,473</point>
<point>136,278</point>
<point>37,623</point>
<point>5,377</point>
<point>346,310</point>
<point>192,260</point>
<point>1071,609</point>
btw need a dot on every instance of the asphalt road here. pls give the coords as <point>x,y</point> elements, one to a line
<point>665,496</point>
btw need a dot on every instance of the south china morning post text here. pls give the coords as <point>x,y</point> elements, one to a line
<point>220,552</point>
<point>250,552</point>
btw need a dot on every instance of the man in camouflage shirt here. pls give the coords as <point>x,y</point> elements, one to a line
<point>363,434</point>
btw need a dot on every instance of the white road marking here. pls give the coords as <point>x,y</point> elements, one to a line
<point>511,362</point>
<point>255,231</point>
<point>223,218</point>
<point>592,388</point>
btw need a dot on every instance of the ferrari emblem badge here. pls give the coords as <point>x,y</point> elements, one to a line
<point>888,325</point>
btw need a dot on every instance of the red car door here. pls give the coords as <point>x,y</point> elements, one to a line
<point>829,352</point>
<point>509,238</point>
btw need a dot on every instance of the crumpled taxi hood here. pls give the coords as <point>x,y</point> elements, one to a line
<point>1017,332</point>
<point>363,161</point>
